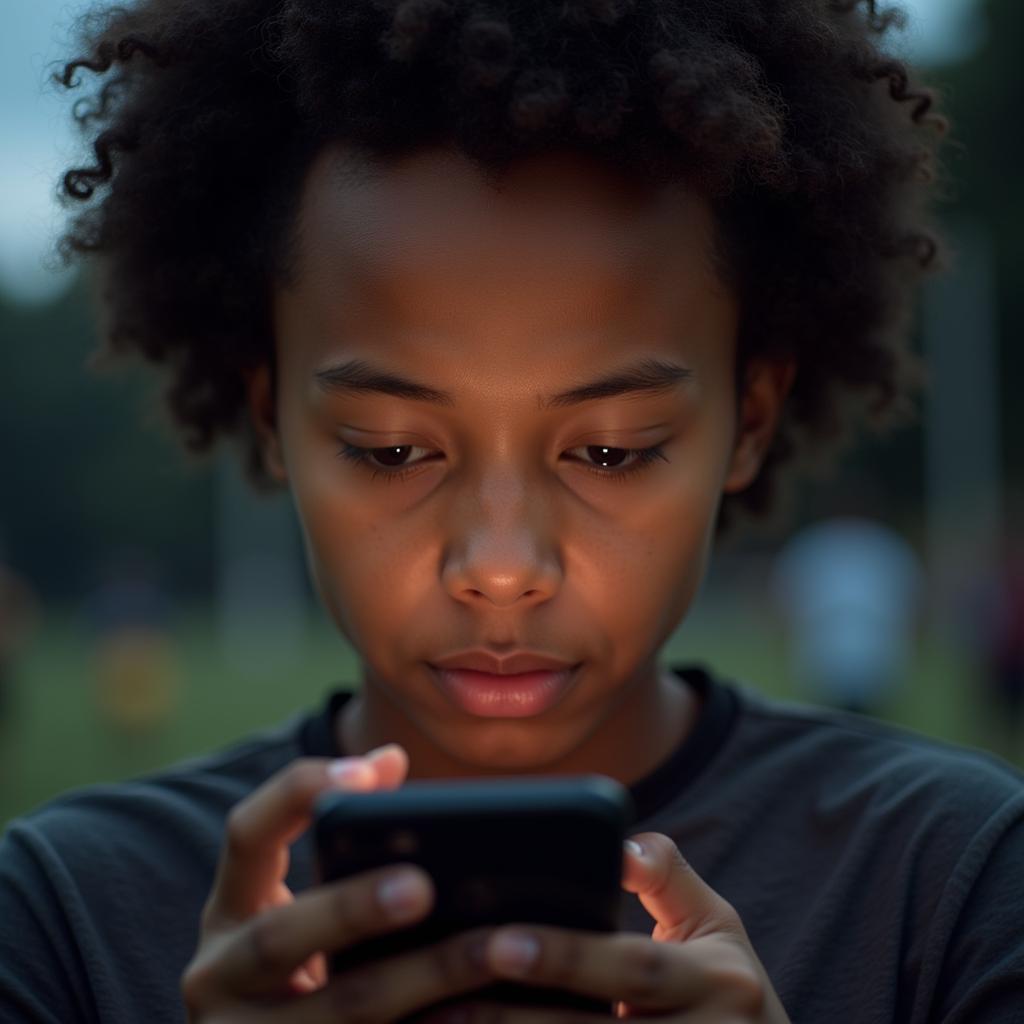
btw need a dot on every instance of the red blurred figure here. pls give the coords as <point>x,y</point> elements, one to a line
<point>999,627</point>
<point>19,612</point>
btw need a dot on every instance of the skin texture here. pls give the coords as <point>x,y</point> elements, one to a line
<point>508,533</point>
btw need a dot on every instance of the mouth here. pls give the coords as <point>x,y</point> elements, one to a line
<point>487,695</point>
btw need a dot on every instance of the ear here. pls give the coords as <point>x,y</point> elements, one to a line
<point>767,384</point>
<point>262,403</point>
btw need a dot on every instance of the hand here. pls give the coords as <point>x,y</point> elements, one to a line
<point>698,967</point>
<point>262,951</point>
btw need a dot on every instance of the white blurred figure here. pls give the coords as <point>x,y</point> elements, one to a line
<point>851,590</point>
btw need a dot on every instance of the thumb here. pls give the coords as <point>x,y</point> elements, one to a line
<point>391,763</point>
<point>682,904</point>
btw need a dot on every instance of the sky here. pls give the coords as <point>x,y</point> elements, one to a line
<point>38,143</point>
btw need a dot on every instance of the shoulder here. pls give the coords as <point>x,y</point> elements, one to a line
<point>842,744</point>
<point>178,810</point>
<point>907,849</point>
<point>101,889</point>
<point>850,766</point>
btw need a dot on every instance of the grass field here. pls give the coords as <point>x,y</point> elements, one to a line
<point>58,737</point>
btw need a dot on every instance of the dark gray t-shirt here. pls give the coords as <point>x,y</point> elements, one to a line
<point>880,875</point>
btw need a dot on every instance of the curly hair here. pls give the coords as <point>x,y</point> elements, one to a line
<point>817,153</point>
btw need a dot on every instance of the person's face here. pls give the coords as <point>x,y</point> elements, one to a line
<point>496,519</point>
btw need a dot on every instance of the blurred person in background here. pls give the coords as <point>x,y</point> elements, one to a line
<point>1005,661</point>
<point>128,615</point>
<point>850,590</point>
<point>992,621</point>
<point>19,618</point>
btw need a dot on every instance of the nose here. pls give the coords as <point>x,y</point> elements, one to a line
<point>502,545</point>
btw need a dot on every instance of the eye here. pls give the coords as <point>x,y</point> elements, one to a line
<point>392,457</point>
<point>641,459</point>
<point>389,462</point>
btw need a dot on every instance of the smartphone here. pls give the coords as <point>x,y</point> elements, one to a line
<point>541,849</point>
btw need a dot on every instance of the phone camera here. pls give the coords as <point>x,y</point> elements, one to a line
<point>475,896</point>
<point>404,842</point>
<point>343,846</point>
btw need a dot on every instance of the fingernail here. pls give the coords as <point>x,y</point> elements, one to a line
<point>402,896</point>
<point>381,751</point>
<point>634,848</point>
<point>350,771</point>
<point>514,952</point>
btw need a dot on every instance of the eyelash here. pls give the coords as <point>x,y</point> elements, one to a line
<point>644,457</point>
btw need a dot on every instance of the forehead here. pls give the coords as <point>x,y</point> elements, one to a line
<point>433,220</point>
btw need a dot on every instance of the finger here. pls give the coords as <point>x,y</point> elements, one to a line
<point>261,956</point>
<point>617,967</point>
<point>498,1013</point>
<point>480,1012</point>
<point>391,763</point>
<point>401,986</point>
<point>254,855</point>
<point>682,904</point>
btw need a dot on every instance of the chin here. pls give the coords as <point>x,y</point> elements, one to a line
<point>504,747</point>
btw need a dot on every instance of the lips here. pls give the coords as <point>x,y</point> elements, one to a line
<point>506,665</point>
<point>488,695</point>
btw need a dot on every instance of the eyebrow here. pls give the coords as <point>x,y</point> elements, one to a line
<point>648,376</point>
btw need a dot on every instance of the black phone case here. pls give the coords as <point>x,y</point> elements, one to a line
<point>546,850</point>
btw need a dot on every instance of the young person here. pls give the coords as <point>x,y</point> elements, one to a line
<point>523,304</point>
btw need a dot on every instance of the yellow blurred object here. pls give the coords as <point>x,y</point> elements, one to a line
<point>137,681</point>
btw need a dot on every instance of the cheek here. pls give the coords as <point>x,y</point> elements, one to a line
<point>343,541</point>
<point>638,577</point>
<point>365,567</point>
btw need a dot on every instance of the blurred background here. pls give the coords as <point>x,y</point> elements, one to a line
<point>138,627</point>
